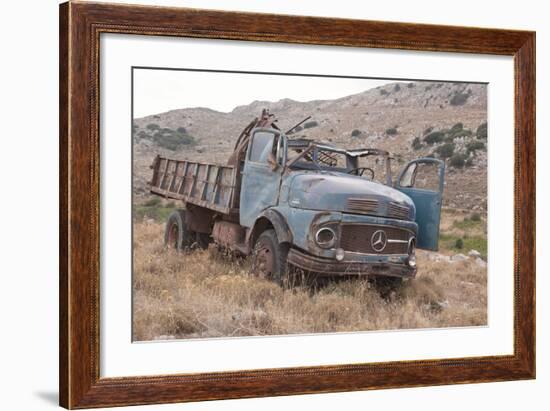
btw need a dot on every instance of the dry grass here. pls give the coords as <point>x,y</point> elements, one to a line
<point>201,294</point>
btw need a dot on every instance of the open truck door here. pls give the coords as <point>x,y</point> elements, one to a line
<point>423,181</point>
<point>262,172</point>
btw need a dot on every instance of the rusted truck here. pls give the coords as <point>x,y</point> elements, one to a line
<point>296,203</point>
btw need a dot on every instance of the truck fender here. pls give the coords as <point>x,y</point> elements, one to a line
<point>266,219</point>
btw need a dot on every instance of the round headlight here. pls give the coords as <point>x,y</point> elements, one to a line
<point>325,237</point>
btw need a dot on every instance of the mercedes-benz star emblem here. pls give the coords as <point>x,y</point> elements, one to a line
<point>378,241</point>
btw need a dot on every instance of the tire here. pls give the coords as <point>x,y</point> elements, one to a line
<point>269,257</point>
<point>176,234</point>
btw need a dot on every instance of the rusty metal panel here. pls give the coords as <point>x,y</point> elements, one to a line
<point>227,233</point>
<point>199,219</point>
<point>207,185</point>
<point>326,266</point>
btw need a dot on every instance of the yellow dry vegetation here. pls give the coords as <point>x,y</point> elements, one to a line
<point>202,294</point>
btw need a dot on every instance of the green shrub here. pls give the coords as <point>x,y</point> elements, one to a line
<point>434,137</point>
<point>475,145</point>
<point>187,140</point>
<point>469,162</point>
<point>475,217</point>
<point>457,127</point>
<point>446,150</point>
<point>181,130</point>
<point>465,224</point>
<point>397,88</point>
<point>159,214</point>
<point>356,133</point>
<point>459,99</point>
<point>311,124</point>
<point>450,242</point>
<point>481,131</point>
<point>152,127</point>
<point>383,92</point>
<point>416,144</point>
<point>459,244</point>
<point>172,140</point>
<point>476,243</point>
<point>461,133</point>
<point>428,130</point>
<point>449,138</point>
<point>410,85</point>
<point>391,131</point>
<point>458,160</point>
<point>153,202</point>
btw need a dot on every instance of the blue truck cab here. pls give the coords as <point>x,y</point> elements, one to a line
<point>331,211</point>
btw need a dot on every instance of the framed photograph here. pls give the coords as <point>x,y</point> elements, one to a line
<point>260,205</point>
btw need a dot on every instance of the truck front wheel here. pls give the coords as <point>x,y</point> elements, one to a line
<point>269,257</point>
<point>176,234</point>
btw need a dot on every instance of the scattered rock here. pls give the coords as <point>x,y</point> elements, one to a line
<point>437,306</point>
<point>459,257</point>
<point>474,253</point>
<point>481,262</point>
<point>438,257</point>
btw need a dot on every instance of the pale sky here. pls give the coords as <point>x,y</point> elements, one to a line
<point>158,91</point>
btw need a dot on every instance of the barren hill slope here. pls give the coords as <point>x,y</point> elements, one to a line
<point>388,117</point>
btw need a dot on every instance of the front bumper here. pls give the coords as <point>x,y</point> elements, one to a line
<point>391,266</point>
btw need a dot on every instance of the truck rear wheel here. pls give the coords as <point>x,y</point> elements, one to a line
<point>176,234</point>
<point>269,257</point>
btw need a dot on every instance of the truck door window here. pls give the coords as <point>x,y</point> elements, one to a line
<point>424,176</point>
<point>262,146</point>
<point>427,177</point>
<point>407,180</point>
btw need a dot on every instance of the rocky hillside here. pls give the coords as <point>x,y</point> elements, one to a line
<point>444,120</point>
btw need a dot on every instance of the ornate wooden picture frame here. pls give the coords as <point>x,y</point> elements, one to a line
<point>80,27</point>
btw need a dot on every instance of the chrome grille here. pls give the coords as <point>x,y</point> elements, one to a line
<point>357,238</point>
<point>398,211</point>
<point>362,205</point>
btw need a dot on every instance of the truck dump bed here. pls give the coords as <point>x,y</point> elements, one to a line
<point>207,185</point>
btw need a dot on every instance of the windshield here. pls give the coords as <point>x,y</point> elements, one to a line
<point>371,164</point>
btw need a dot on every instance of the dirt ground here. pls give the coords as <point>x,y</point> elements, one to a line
<point>202,294</point>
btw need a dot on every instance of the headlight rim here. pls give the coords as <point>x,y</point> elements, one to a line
<point>411,251</point>
<point>329,244</point>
